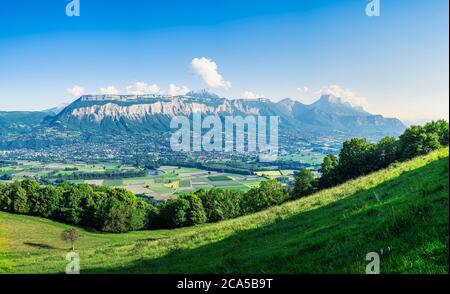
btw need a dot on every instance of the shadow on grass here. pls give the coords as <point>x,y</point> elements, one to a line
<point>334,238</point>
<point>40,245</point>
<point>151,239</point>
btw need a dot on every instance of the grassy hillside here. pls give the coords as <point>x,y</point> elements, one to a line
<point>402,211</point>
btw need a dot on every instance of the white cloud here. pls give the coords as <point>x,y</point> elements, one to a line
<point>207,70</point>
<point>346,94</point>
<point>76,91</point>
<point>251,95</point>
<point>303,89</point>
<point>141,88</point>
<point>110,90</point>
<point>174,90</point>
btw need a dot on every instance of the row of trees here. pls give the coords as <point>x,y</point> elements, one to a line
<point>359,157</point>
<point>103,208</point>
<point>118,210</point>
<point>108,174</point>
<point>217,204</point>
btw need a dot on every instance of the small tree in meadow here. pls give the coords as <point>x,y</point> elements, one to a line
<point>70,236</point>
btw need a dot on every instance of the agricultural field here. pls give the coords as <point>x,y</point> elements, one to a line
<point>171,180</point>
<point>37,169</point>
<point>161,184</point>
<point>273,174</point>
<point>305,157</point>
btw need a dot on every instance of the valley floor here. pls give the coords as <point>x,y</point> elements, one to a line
<point>161,184</point>
<point>402,213</point>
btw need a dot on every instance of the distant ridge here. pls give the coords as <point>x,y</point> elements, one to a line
<point>97,116</point>
<point>131,113</point>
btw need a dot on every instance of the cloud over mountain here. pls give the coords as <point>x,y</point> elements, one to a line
<point>110,90</point>
<point>141,88</point>
<point>345,94</point>
<point>174,90</point>
<point>251,95</point>
<point>76,91</point>
<point>208,71</point>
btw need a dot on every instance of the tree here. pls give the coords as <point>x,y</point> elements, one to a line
<point>5,199</point>
<point>418,140</point>
<point>115,219</point>
<point>328,169</point>
<point>269,193</point>
<point>121,211</point>
<point>196,212</point>
<point>151,213</point>
<point>304,183</point>
<point>220,204</point>
<point>46,201</point>
<point>33,194</point>
<point>19,200</point>
<point>356,158</point>
<point>386,152</point>
<point>71,236</point>
<point>74,202</point>
<point>31,187</point>
<point>92,209</point>
<point>174,213</point>
<point>439,127</point>
<point>140,214</point>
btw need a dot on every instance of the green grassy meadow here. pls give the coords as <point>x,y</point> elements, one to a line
<point>401,212</point>
<point>306,157</point>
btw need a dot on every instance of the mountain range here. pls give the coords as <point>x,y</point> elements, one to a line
<point>137,113</point>
<point>140,114</point>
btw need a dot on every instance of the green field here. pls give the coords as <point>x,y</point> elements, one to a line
<point>401,212</point>
<point>305,157</point>
<point>39,169</point>
<point>273,174</point>
<point>219,178</point>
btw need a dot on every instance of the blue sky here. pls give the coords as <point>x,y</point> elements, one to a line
<point>395,64</point>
